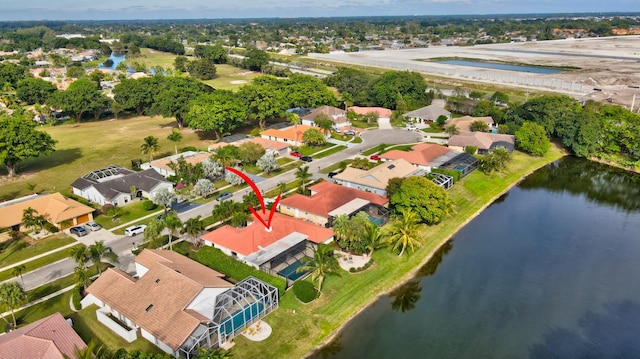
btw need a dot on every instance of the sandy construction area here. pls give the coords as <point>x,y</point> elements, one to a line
<point>610,64</point>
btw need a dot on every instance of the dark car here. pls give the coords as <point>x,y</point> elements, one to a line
<point>306,158</point>
<point>78,231</point>
<point>331,174</point>
<point>224,195</point>
<point>350,132</point>
<point>295,154</point>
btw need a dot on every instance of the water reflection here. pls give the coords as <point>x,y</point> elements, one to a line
<point>432,266</point>
<point>406,296</point>
<point>331,349</point>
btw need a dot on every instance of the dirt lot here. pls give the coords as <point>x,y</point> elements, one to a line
<point>610,64</point>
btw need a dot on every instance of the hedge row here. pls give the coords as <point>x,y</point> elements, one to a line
<point>214,258</point>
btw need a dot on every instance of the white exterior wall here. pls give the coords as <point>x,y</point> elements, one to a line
<point>205,301</point>
<point>128,335</point>
<point>152,193</point>
<point>90,194</point>
<point>164,347</point>
<point>361,187</point>
<point>90,299</point>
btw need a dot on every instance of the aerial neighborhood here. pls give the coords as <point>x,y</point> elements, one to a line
<point>193,195</point>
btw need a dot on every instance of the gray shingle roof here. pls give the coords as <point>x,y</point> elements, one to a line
<point>145,180</point>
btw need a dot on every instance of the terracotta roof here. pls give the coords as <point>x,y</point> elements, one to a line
<point>248,240</point>
<point>381,111</point>
<point>336,115</point>
<point>378,177</point>
<point>193,159</point>
<point>157,301</point>
<point>51,337</point>
<point>481,140</point>
<point>269,144</point>
<point>421,154</point>
<point>55,207</point>
<point>464,123</point>
<point>328,196</point>
<point>431,112</point>
<point>288,133</point>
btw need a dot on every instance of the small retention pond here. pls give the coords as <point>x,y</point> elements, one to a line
<point>499,66</point>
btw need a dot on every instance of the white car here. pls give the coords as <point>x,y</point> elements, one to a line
<point>93,226</point>
<point>134,230</point>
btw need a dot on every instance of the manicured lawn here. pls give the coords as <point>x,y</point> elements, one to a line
<point>22,249</point>
<point>231,78</point>
<point>40,262</point>
<point>132,211</point>
<point>357,140</point>
<point>432,130</point>
<point>306,150</point>
<point>294,335</point>
<point>334,167</point>
<point>58,303</point>
<point>152,58</point>
<point>339,137</point>
<point>330,151</point>
<point>82,148</point>
<point>362,124</point>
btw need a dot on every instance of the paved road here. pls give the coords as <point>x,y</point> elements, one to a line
<point>122,245</point>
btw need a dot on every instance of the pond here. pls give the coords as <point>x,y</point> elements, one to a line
<point>114,60</point>
<point>550,270</point>
<point>499,66</point>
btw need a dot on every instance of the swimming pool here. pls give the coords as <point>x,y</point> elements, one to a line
<point>291,272</point>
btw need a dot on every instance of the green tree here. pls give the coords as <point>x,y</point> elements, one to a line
<point>313,137</point>
<point>222,211</point>
<point>451,130</point>
<point>34,90</point>
<point>81,255</point>
<point>164,198</point>
<point>479,126</point>
<point>175,136</point>
<point>21,141</point>
<point>174,99</point>
<point>138,94</point>
<point>264,100</point>
<point>393,185</point>
<point>12,296</point>
<point>322,264</point>
<point>239,219</point>
<point>254,59</point>
<point>193,227</point>
<point>500,97</point>
<point>293,119</point>
<point>153,230</point>
<point>303,174</point>
<point>216,54</point>
<point>212,353</point>
<point>324,123</point>
<point>372,238</point>
<point>220,112</point>
<point>204,188</point>
<point>150,146</point>
<point>98,251</point>
<point>202,69</point>
<point>173,223</point>
<point>532,138</point>
<point>180,63</point>
<point>495,160</point>
<point>403,231</point>
<point>29,215</point>
<point>392,84</point>
<point>250,152</point>
<point>226,156</point>
<point>81,97</point>
<point>353,84</point>
<point>422,197</point>
<point>82,276</point>
<point>18,271</point>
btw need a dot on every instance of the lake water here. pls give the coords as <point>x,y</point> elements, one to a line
<point>550,270</point>
<point>498,66</point>
<point>116,58</point>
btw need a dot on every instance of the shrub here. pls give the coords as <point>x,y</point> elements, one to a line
<point>457,175</point>
<point>215,259</point>
<point>305,291</point>
<point>188,148</point>
<point>50,228</point>
<point>149,206</point>
<point>76,297</point>
<point>471,150</point>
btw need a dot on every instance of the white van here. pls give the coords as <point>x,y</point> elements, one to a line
<point>134,230</point>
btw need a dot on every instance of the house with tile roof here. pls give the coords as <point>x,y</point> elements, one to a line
<point>381,112</point>
<point>337,115</point>
<point>483,141</point>
<point>376,179</point>
<point>48,338</point>
<point>276,148</point>
<point>59,210</point>
<point>177,303</point>
<point>162,165</point>
<point>112,185</point>
<point>463,124</point>
<point>329,200</point>
<point>290,135</point>
<point>274,250</point>
<point>429,113</point>
<point>422,155</point>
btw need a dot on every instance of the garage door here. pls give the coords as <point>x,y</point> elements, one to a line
<point>83,219</point>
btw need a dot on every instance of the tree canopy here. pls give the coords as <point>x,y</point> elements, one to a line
<point>174,99</point>
<point>81,97</point>
<point>531,138</point>
<point>420,195</point>
<point>221,112</point>
<point>34,90</point>
<point>20,140</point>
<point>395,85</point>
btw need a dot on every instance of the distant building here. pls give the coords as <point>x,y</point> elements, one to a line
<point>483,141</point>
<point>162,165</point>
<point>336,115</point>
<point>429,113</point>
<point>381,112</point>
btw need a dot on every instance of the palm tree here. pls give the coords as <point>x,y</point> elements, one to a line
<point>98,250</point>
<point>342,227</point>
<point>294,119</point>
<point>451,130</point>
<point>322,264</point>
<point>80,254</point>
<point>153,230</point>
<point>29,217</point>
<point>150,146</point>
<point>224,156</point>
<point>18,271</point>
<point>240,218</point>
<point>92,351</point>
<point>213,353</point>
<point>303,175</point>
<point>404,231</point>
<point>13,296</point>
<point>172,222</point>
<point>193,227</point>
<point>175,137</point>
<point>282,186</point>
<point>371,239</point>
<point>82,276</point>
<point>223,210</point>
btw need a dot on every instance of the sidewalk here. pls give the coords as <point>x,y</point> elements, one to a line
<point>40,300</point>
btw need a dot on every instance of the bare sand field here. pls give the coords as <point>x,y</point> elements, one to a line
<point>607,67</point>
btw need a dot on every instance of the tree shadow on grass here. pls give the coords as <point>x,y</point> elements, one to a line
<point>57,158</point>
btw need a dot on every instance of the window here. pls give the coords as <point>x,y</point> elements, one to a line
<point>149,307</point>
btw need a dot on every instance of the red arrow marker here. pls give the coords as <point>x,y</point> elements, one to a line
<point>256,190</point>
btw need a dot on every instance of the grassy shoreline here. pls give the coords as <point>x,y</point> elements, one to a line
<point>299,330</point>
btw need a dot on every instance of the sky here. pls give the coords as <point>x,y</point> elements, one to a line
<point>222,9</point>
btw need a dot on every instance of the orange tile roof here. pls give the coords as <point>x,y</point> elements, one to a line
<point>464,123</point>
<point>381,111</point>
<point>157,301</point>
<point>193,160</point>
<point>288,133</point>
<point>248,240</point>
<point>421,154</point>
<point>55,207</point>
<point>328,197</point>
<point>270,144</point>
<point>51,338</point>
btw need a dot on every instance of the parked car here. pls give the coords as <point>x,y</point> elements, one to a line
<point>295,154</point>
<point>78,231</point>
<point>93,226</point>
<point>331,174</point>
<point>224,195</point>
<point>374,158</point>
<point>337,130</point>
<point>306,158</point>
<point>134,230</point>
<point>350,132</point>
<point>412,128</point>
<point>164,215</point>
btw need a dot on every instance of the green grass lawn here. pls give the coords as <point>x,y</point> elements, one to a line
<point>330,151</point>
<point>307,150</point>
<point>88,146</point>
<point>334,167</point>
<point>362,124</point>
<point>231,78</point>
<point>295,335</point>
<point>152,58</point>
<point>40,262</point>
<point>22,249</point>
<point>132,211</point>
<point>357,140</point>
